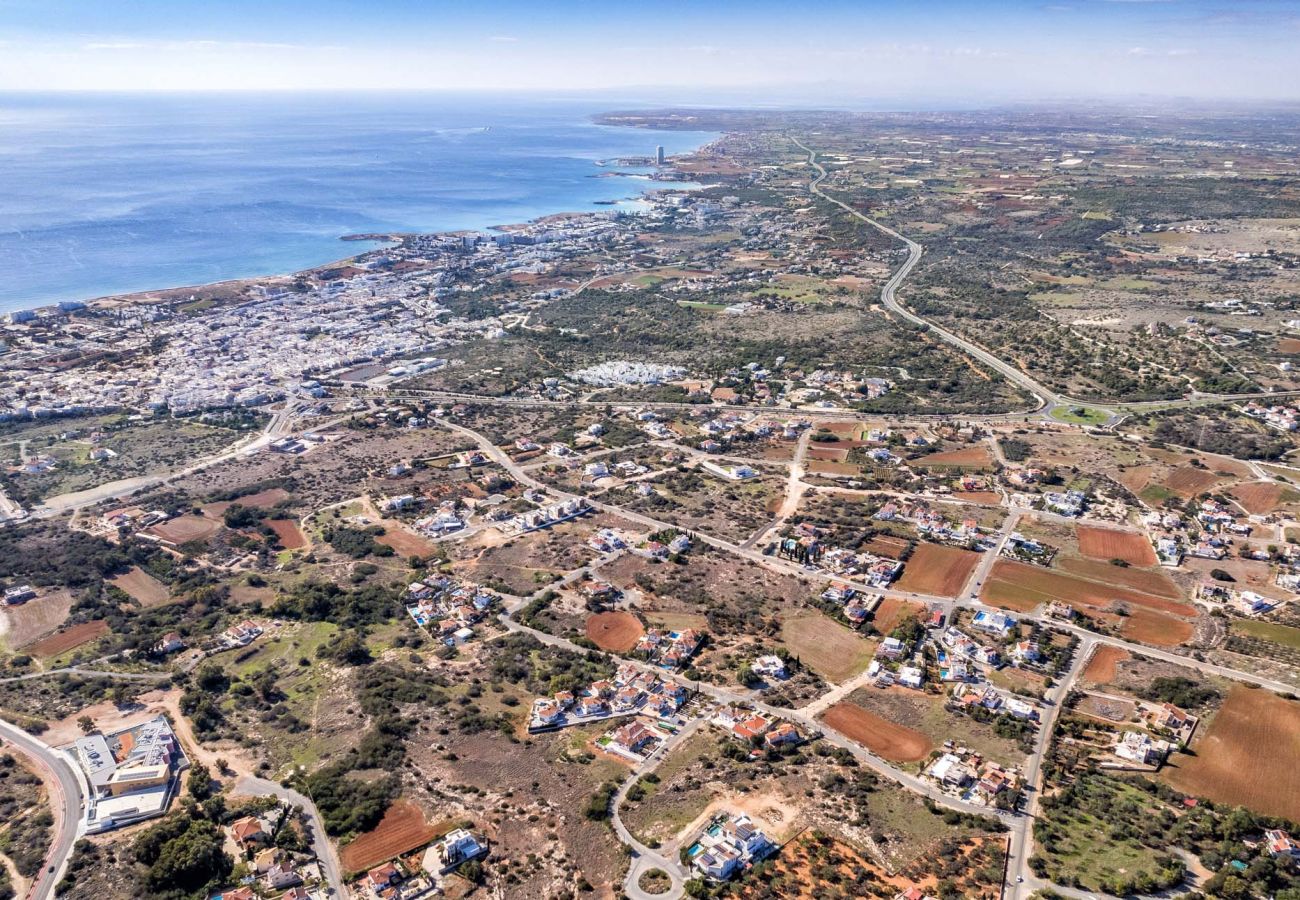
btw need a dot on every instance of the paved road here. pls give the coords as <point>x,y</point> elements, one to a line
<point>887,294</point>
<point>251,786</point>
<point>66,803</point>
<point>644,858</point>
<point>1021,881</point>
<point>89,673</point>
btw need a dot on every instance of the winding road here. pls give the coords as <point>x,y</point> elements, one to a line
<point>66,803</point>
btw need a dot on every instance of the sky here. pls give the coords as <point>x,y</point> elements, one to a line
<point>778,52</point>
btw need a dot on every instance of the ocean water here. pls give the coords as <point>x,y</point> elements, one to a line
<point>109,194</point>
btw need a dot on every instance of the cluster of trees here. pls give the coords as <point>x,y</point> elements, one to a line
<point>522,659</point>
<point>1230,437</point>
<point>1180,691</point>
<point>357,543</point>
<point>182,855</point>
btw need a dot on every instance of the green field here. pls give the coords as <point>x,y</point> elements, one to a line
<point>1269,631</point>
<point>827,647</point>
<point>1081,415</point>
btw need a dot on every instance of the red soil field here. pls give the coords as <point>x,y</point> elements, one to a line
<point>832,453</point>
<point>887,739</point>
<point>1288,345</point>
<point>401,830</point>
<point>1136,478</point>
<point>1149,581</point>
<point>403,541</point>
<point>70,638</point>
<point>983,498</point>
<point>616,632</point>
<point>1247,756</point>
<point>892,611</point>
<point>822,467</point>
<point>937,569</point>
<point>1189,481</point>
<point>1020,586</point>
<point>291,537</point>
<point>1156,628</point>
<point>261,500</point>
<point>1108,544</point>
<point>967,458</point>
<point>143,587</point>
<point>1103,665</point>
<point>1257,497</point>
<point>183,529</point>
<point>886,545</point>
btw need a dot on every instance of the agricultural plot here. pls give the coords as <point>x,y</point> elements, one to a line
<point>402,830</point>
<point>825,646</point>
<point>886,739</point>
<point>184,529</point>
<point>616,631</point>
<point>33,620</point>
<point>70,638</point>
<point>1109,543</point>
<point>1103,666</point>
<point>142,587</point>
<point>289,534</point>
<point>938,569</point>
<point>263,499</point>
<point>925,714</point>
<point>1246,756</point>
<point>1150,618</point>
<point>965,459</point>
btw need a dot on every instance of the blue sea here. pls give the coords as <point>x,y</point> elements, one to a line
<point>111,194</point>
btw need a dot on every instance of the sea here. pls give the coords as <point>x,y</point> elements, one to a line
<point>111,194</point>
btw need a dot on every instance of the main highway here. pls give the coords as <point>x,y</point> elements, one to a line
<point>66,803</point>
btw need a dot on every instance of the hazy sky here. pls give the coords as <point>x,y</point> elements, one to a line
<point>940,49</point>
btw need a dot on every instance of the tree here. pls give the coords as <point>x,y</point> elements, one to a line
<point>200,783</point>
<point>86,724</point>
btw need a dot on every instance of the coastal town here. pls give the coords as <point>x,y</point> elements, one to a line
<point>451,590</point>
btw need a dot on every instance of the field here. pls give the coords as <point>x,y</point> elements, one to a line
<point>1102,666</point>
<point>1188,482</point>
<point>1022,587</point>
<point>183,529</point>
<point>1156,628</point>
<point>402,829</point>
<point>892,611</point>
<point>70,638</point>
<point>1257,497</point>
<point>403,541</point>
<point>886,739</point>
<point>886,545</point>
<point>142,587</point>
<point>35,619</point>
<point>825,646</point>
<point>1107,543</point>
<point>261,500</point>
<point>966,458</point>
<point>983,498</point>
<point>1247,756</point>
<point>290,535</point>
<point>1285,635</point>
<point>938,569</point>
<point>617,632</point>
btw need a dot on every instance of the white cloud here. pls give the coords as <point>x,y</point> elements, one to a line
<point>504,39</point>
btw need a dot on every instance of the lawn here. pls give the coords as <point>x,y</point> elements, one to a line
<point>1081,415</point>
<point>825,646</point>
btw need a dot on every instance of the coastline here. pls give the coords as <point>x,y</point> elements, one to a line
<point>233,288</point>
